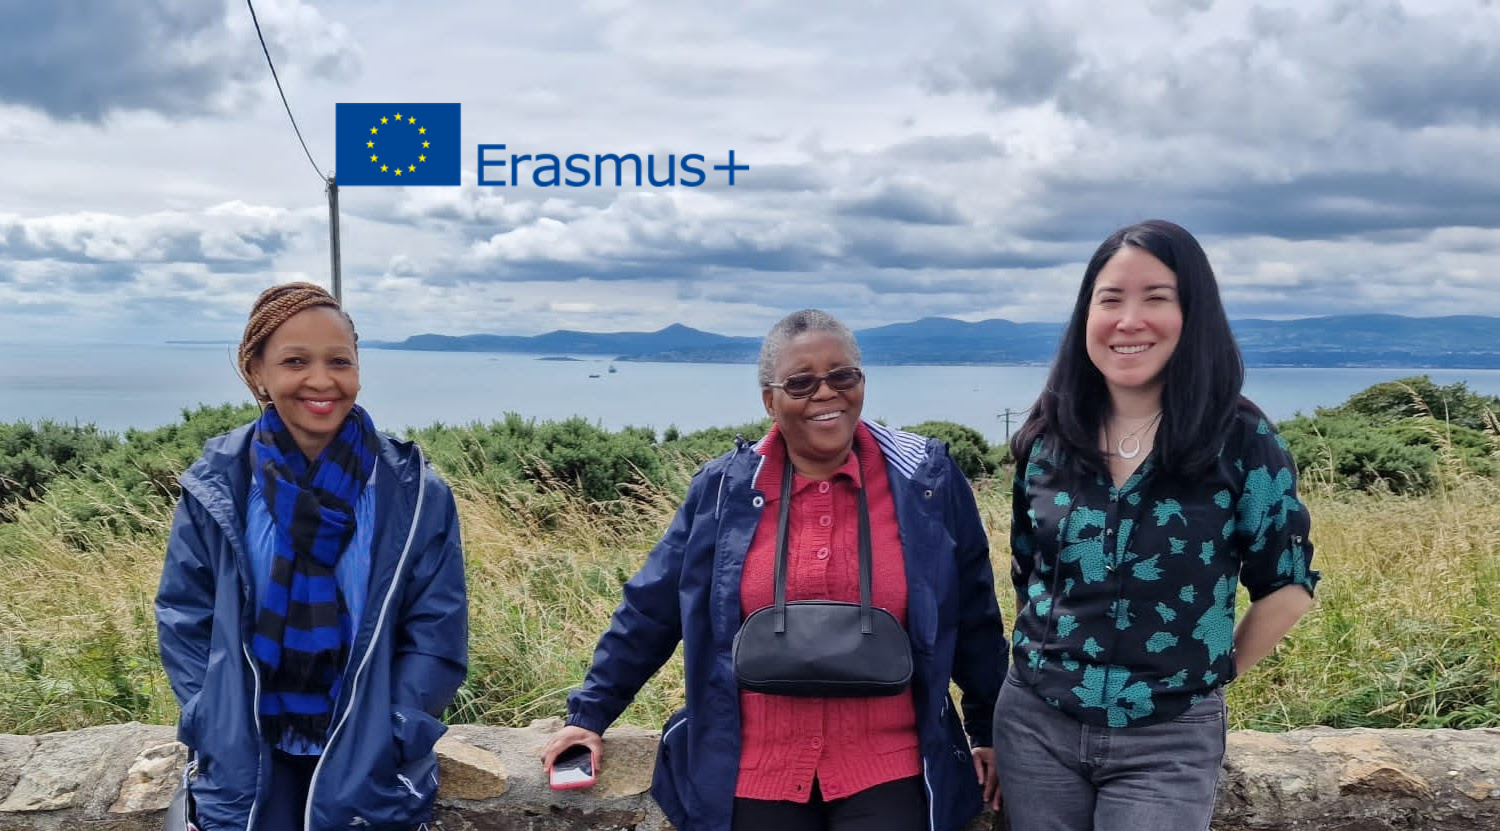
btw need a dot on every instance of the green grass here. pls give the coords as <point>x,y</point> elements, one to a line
<point>1406,632</point>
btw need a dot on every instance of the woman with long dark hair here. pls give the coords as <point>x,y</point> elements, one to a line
<point>1147,489</point>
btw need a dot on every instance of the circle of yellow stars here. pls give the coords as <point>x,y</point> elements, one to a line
<point>375,158</point>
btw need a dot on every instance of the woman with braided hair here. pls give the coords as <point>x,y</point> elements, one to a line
<point>312,613</point>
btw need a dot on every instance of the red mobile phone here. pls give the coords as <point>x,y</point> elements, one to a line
<point>573,768</point>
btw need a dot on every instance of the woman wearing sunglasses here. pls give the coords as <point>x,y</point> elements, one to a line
<point>737,760</point>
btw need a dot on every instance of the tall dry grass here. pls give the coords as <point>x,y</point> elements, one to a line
<point>1406,631</point>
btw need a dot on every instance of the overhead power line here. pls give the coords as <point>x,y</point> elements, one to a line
<point>284,103</point>
<point>330,184</point>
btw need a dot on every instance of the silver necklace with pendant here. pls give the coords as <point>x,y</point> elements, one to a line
<point>1132,440</point>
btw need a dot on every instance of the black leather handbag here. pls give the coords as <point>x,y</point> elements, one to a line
<point>822,648</point>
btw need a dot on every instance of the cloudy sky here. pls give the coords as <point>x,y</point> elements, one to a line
<point>906,159</point>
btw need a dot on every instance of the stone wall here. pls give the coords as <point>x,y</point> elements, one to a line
<point>119,778</point>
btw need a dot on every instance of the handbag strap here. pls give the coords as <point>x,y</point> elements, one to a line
<point>866,557</point>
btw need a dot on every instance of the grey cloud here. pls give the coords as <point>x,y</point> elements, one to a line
<point>772,178</point>
<point>94,278</point>
<point>904,202</point>
<point>957,149</point>
<point>967,248</point>
<point>1020,61</point>
<point>161,238</point>
<point>1451,83</point>
<point>1175,8</point>
<point>1343,203</point>
<point>930,285</point>
<point>659,263</point>
<point>653,236</point>
<point>83,60</point>
<point>1313,205</point>
<point>823,290</point>
<point>169,313</point>
<point>1279,77</point>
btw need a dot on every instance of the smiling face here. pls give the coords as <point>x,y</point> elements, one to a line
<point>310,369</point>
<point>819,429</point>
<point>1134,322</point>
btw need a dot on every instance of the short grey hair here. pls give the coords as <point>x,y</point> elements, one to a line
<point>794,324</point>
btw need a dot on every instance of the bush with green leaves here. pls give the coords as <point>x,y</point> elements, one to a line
<point>1351,451</point>
<point>1418,397</point>
<point>139,472</point>
<point>702,445</point>
<point>1400,436</point>
<point>32,455</point>
<point>573,454</point>
<point>968,447</point>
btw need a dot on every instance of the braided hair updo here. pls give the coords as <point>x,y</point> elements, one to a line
<point>275,306</point>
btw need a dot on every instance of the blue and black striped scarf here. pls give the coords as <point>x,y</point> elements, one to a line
<point>303,631</point>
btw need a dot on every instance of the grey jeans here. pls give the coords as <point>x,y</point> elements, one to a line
<point>1058,774</point>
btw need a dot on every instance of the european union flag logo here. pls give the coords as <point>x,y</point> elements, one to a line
<point>397,144</point>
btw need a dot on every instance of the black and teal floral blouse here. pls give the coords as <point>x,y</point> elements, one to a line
<point>1126,595</point>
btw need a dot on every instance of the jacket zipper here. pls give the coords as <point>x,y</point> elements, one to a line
<point>385,607</point>
<point>927,780</point>
<point>261,739</point>
<point>931,809</point>
<point>260,761</point>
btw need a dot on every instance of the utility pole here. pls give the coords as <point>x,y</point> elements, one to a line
<point>1006,415</point>
<point>333,233</point>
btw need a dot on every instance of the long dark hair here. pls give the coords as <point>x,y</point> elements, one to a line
<point>1203,376</point>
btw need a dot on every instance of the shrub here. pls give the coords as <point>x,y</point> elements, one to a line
<point>31,456</point>
<point>1418,396</point>
<point>1355,452</point>
<point>702,445</point>
<point>572,455</point>
<point>967,446</point>
<point>1404,436</point>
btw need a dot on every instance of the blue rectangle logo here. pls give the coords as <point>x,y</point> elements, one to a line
<point>397,144</point>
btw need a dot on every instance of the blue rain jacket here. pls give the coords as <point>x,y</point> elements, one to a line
<point>410,653</point>
<point>688,590</point>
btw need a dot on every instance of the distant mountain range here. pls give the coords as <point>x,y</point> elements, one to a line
<point>1457,342</point>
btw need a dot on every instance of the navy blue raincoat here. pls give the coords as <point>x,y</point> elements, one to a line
<point>689,591</point>
<point>410,653</point>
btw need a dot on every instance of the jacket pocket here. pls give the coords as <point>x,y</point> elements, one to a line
<point>404,793</point>
<point>187,722</point>
<point>416,734</point>
<point>964,788</point>
<point>671,784</point>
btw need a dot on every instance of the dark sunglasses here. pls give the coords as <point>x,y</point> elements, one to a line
<point>804,384</point>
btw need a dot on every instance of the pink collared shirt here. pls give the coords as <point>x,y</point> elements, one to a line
<point>848,744</point>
